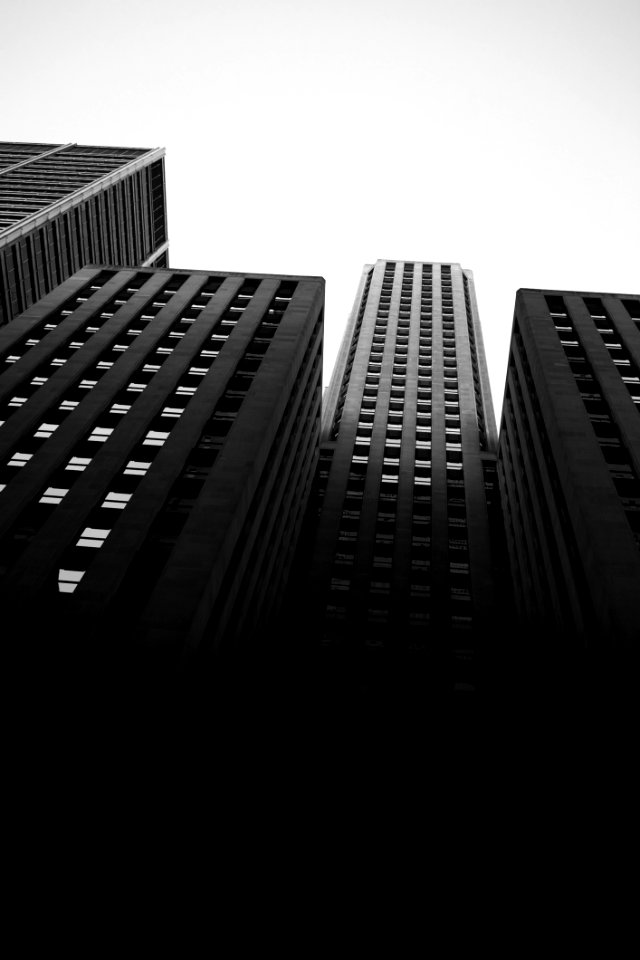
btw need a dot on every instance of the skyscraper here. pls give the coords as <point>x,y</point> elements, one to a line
<point>569,474</point>
<point>402,564</point>
<point>63,206</point>
<point>159,438</point>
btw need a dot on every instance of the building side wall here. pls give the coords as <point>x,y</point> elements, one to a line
<point>569,467</point>
<point>192,402</point>
<point>118,222</point>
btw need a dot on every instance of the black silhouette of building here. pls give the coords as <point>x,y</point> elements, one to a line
<point>159,440</point>
<point>403,563</point>
<point>63,206</point>
<point>569,476</point>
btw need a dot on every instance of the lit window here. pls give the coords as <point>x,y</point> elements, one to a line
<point>151,368</point>
<point>100,434</point>
<point>12,358</point>
<point>38,381</point>
<point>121,408</point>
<point>136,387</point>
<point>155,438</point>
<point>117,501</point>
<point>172,411</point>
<point>87,384</point>
<point>46,429</point>
<point>340,584</point>
<point>76,344</point>
<point>32,342</point>
<point>93,537</point>
<point>78,463</point>
<point>68,405</point>
<point>19,459</point>
<point>68,580</point>
<point>17,401</point>
<point>59,361</point>
<point>137,468</point>
<point>53,495</point>
<point>104,365</point>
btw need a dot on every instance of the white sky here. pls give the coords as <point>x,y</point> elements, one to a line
<point>314,137</point>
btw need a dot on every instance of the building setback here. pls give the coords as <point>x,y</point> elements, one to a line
<point>159,439</point>
<point>569,474</point>
<point>402,564</point>
<point>63,206</point>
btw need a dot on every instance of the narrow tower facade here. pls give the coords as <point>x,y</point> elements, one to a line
<point>402,565</point>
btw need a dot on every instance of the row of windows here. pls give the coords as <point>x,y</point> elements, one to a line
<point>613,449</point>
<point>187,487</point>
<point>97,321</point>
<point>161,427</point>
<point>122,224</point>
<point>44,180</point>
<point>335,426</point>
<point>620,356</point>
<point>140,379</point>
<point>480,417</point>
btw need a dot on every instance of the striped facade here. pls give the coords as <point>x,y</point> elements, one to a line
<point>63,206</point>
<point>569,470</point>
<point>159,439</point>
<point>402,563</point>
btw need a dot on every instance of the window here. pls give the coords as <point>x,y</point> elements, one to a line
<point>53,495</point>
<point>93,537</point>
<point>137,468</point>
<point>155,438</point>
<point>46,430</point>
<point>68,580</point>
<point>340,584</point>
<point>19,459</point>
<point>78,463</point>
<point>117,501</point>
<point>100,434</point>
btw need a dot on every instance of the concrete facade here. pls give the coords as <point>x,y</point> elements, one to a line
<point>159,439</point>
<point>402,562</point>
<point>569,472</point>
<point>63,206</point>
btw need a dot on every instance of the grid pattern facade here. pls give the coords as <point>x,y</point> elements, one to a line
<point>569,468</point>
<point>158,442</point>
<point>406,481</point>
<point>67,205</point>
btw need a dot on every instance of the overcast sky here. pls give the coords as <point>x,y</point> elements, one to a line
<point>314,137</point>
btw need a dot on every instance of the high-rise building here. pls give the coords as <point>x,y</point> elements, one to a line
<point>569,475</point>
<point>63,206</point>
<point>403,558</point>
<point>159,439</point>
